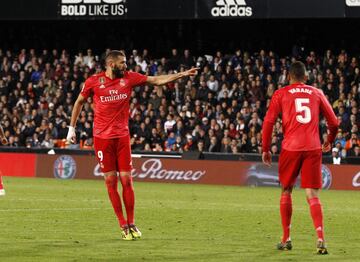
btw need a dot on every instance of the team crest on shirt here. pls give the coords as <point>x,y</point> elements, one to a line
<point>102,82</point>
<point>122,82</point>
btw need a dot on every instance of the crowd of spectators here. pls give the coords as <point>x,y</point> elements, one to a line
<point>219,110</point>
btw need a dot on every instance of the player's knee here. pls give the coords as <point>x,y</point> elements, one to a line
<point>126,182</point>
<point>111,182</point>
<point>287,191</point>
<point>311,193</point>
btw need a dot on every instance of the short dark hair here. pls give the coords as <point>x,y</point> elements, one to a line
<point>114,54</point>
<point>297,71</point>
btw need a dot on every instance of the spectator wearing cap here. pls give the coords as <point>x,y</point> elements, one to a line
<point>189,144</point>
<point>340,139</point>
<point>336,159</point>
<point>205,124</point>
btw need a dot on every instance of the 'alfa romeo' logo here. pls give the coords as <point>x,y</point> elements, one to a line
<point>64,167</point>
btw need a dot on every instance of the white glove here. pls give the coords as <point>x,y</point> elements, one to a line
<point>71,136</point>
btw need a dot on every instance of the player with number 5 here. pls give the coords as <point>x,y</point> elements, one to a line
<point>300,106</point>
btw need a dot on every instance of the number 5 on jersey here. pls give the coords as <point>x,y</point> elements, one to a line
<point>304,115</point>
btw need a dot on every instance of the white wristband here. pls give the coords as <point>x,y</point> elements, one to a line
<point>71,133</point>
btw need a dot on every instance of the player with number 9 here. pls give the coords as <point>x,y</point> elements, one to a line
<point>111,91</point>
<point>301,151</point>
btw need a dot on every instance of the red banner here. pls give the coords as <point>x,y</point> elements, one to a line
<point>342,177</point>
<point>17,164</point>
<point>345,177</point>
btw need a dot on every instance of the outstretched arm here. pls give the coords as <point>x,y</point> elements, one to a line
<point>71,136</point>
<point>164,79</point>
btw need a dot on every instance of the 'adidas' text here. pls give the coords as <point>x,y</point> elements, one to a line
<point>231,8</point>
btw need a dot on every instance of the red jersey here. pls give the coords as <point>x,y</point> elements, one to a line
<point>111,102</point>
<point>300,106</point>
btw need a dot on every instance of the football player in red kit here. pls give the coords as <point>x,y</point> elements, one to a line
<point>300,106</point>
<point>4,142</point>
<point>111,91</point>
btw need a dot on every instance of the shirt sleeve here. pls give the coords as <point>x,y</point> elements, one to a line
<point>331,119</point>
<point>87,88</point>
<point>137,79</point>
<point>269,121</point>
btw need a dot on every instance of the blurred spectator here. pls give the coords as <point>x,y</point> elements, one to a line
<point>220,110</point>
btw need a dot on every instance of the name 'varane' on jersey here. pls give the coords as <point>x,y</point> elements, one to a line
<point>301,106</point>
<point>111,102</point>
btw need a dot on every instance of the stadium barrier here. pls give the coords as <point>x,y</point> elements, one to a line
<point>169,169</point>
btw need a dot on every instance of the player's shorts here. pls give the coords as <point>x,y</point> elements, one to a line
<point>113,154</point>
<point>308,163</point>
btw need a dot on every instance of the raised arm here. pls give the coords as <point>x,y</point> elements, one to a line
<point>164,79</point>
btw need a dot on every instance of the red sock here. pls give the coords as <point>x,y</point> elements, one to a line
<point>317,216</point>
<point>128,197</point>
<point>111,184</point>
<point>285,212</point>
<point>1,184</point>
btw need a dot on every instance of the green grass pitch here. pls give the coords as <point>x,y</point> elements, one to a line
<point>55,220</point>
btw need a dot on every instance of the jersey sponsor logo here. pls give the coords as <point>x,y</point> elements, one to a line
<point>114,96</point>
<point>92,7</point>
<point>64,167</point>
<point>231,8</point>
<point>353,2</point>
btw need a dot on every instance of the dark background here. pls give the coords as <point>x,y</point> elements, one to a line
<point>200,36</point>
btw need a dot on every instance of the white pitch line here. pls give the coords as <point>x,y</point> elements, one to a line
<point>50,209</point>
<point>55,200</point>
